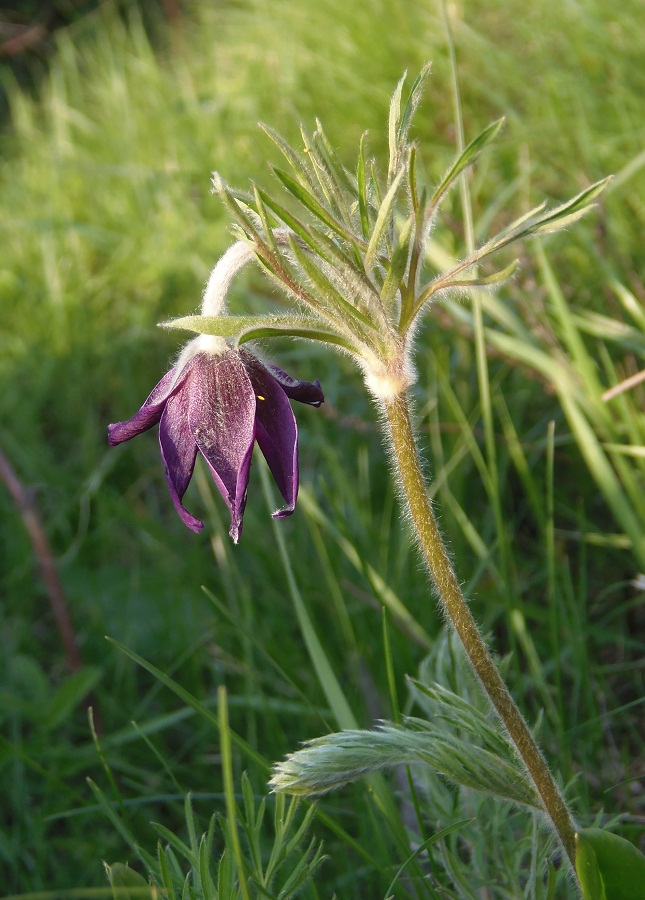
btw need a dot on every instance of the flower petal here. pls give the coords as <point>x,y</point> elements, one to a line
<point>178,451</point>
<point>275,431</point>
<point>221,414</point>
<point>150,412</point>
<point>303,391</point>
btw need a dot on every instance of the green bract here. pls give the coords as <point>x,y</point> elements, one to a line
<point>351,250</point>
<point>249,328</point>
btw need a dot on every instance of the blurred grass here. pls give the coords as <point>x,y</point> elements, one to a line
<point>108,227</point>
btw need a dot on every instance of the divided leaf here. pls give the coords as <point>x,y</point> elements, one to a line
<point>459,742</point>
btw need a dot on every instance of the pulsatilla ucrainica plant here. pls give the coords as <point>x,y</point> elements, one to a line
<point>350,250</point>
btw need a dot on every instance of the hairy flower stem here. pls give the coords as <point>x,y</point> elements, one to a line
<point>457,610</point>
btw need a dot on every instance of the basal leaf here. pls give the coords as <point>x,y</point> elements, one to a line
<point>588,871</point>
<point>337,759</point>
<point>608,866</point>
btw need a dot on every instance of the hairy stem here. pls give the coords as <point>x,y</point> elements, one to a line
<point>456,609</point>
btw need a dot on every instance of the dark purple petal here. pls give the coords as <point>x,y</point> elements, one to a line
<point>303,391</point>
<point>150,412</point>
<point>221,415</point>
<point>276,431</point>
<point>178,451</point>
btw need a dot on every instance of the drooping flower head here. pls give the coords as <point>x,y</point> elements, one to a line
<point>219,402</point>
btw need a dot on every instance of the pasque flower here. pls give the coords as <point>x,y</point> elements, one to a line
<point>357,269</point>
<point>219,401</point>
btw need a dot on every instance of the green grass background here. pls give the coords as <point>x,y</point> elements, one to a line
<point>107,227</point>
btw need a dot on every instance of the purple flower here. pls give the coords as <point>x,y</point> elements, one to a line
<point>219,404</point>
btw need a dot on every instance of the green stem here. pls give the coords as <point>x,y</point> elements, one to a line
<point>457,610</point>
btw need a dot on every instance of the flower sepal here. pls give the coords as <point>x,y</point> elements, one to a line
<point>218,402</point>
